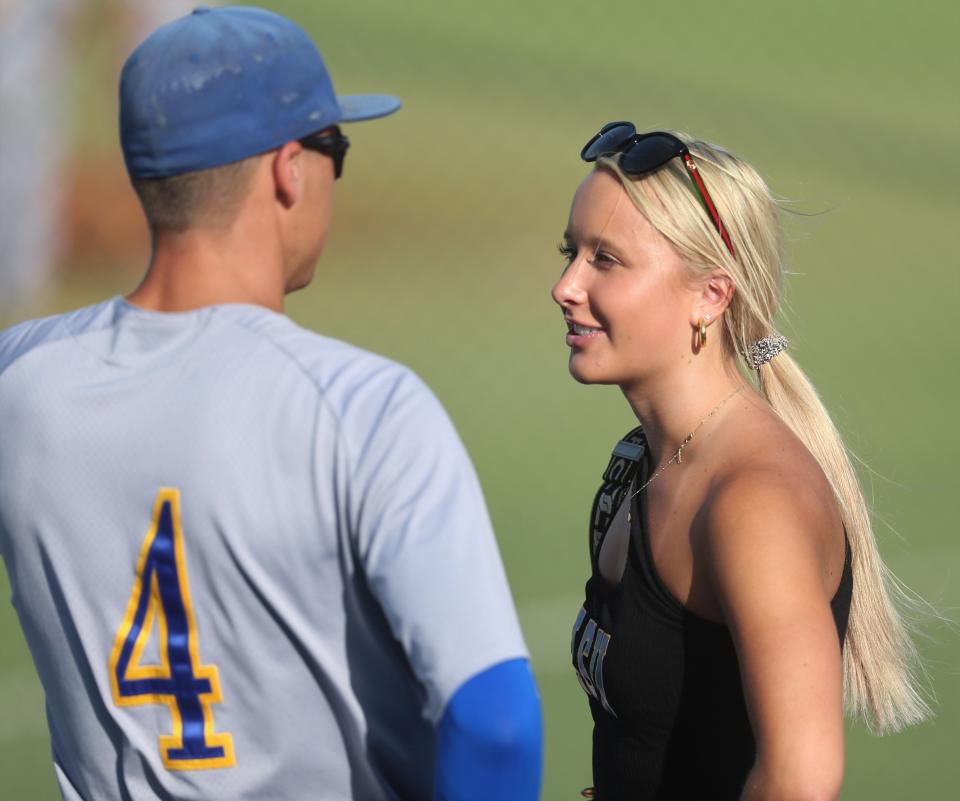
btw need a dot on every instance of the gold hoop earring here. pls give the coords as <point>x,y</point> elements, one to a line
<point>702,333</point>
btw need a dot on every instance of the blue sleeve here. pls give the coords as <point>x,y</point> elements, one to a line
<point>490,738</point>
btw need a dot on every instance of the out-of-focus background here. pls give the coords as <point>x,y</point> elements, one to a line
<point>443,252</point>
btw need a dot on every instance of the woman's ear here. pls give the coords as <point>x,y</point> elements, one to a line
<point>288,174</point>
<point>715,295</point>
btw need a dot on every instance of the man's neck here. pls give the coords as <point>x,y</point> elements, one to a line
<point>201,268</point>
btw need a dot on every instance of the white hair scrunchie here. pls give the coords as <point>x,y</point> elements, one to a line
<point>763,350</point>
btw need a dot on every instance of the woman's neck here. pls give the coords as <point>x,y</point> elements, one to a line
<point>672,406</point>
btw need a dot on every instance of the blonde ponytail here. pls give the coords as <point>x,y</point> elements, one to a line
<point>880,661</point>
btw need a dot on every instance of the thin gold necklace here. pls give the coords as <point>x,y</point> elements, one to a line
<point>678,456</point>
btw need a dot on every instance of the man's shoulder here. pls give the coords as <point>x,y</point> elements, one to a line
<point>341,371</point>
<point>22,338</point>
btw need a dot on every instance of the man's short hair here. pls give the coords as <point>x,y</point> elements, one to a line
<point>203,199</point>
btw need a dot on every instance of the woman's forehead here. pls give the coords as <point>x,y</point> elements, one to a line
<point>601,207</point>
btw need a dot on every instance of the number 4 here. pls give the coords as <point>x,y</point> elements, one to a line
<point>161,595</point>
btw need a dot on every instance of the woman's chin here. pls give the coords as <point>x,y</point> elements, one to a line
<point>590,373</point>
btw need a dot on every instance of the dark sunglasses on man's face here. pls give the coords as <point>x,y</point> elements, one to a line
<point>333,144</point>
<point>645,152</point>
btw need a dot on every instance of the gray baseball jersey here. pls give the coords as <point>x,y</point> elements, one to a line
<point>251,562</point>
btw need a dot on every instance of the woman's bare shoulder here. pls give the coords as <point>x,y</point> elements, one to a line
<point>765,463</point>
<point>769,505</point>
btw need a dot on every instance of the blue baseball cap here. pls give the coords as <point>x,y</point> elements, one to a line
<point>223,84</point>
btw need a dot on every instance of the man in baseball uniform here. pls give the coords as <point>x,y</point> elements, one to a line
<point>250,561</point>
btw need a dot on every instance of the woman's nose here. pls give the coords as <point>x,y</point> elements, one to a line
<point>568,291</point>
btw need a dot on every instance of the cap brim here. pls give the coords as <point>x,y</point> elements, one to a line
<point>356,108</point>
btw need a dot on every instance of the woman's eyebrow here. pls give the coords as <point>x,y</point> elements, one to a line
<point>594,241</point>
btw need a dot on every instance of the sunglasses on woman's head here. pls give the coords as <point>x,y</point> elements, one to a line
<point>645,152</point>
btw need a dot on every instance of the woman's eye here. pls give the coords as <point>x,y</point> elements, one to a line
<point>566,251</point>
<point>602,259</point>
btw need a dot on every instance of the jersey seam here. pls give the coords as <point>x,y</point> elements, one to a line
<point>54,338</point>
<point>321,392</point>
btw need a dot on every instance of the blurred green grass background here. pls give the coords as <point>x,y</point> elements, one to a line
<point>443,252</point>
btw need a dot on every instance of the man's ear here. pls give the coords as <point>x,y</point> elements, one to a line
<point>288,174</point>
<point>716,292</point>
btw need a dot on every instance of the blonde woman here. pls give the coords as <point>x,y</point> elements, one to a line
<point>736,598</point>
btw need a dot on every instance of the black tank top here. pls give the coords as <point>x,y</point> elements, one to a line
<point>670,721</point>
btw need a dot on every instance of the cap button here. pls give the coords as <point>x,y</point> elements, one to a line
<point>201,10</point>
